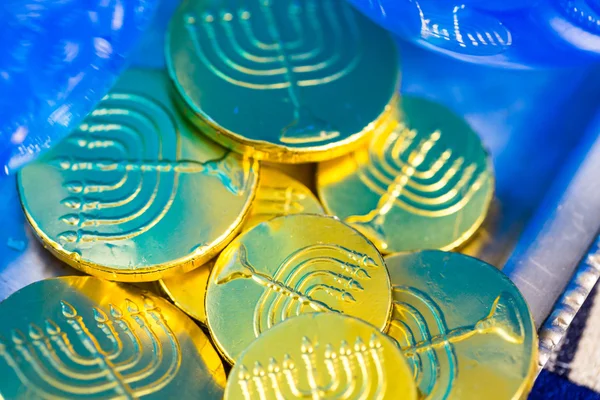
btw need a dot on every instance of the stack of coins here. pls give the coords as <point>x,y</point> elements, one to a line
<point>336,285</point>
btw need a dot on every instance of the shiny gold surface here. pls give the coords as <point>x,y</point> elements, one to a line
<point>136,193</point>
<point>463,325</point>
<point>85,338</point>
<point>278,194</point>
<point>321,356</point>
<point>289,266</point>
<point>188,291</point>
<point>286,81</point>
<point>424,181</point>
<point>305,173</point>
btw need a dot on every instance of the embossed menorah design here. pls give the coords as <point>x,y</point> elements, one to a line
<point>407,177</point>
<point>144,354</point>
<point>276,200</point>
<point>503,320</point>
<point>328,269</point>
<point>586,13</point>
<point>127,140</point>
<point>476,34</point>
<point>324,45</point>
<point>348,372</point>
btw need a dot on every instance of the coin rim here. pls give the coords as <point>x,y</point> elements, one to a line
<point>467,234</point>
<point>215,339</point>
<point>381,335</point>
<point>193,336</point>
<point>261,149</point>
<point>148,273</point>
<point>197,316</point>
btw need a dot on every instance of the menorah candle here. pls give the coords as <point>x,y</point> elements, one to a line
<point>321,356</point>
<point>423,182</point>
<point>136,193</point>
<point>286,81</point>
<point>463,325</point>
<point>292,265</point>
<point>87,338</point>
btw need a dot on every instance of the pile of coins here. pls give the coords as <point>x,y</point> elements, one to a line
<point>176,179</point>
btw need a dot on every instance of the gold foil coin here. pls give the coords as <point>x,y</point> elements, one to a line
<point>424,182</point>
<point>463,325</point>
<point>86,338</point>
<point>321,356</point>
<point>286,81</point>
<point>136,193</point>
<point>289,266</point>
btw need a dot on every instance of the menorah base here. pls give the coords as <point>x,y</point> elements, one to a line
<point>371,227</point>
<point>308,128</point>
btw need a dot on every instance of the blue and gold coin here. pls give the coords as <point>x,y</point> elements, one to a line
<point>424,181</point>
<point>287,81</point>
<point>463,325</point>
<point>321,356</point>
<point>135,193</point>
<point>86,338</point>
<point>292,265</point>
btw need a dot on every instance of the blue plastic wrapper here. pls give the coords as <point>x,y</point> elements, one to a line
<point>507,33</point>
<point>59,57</point>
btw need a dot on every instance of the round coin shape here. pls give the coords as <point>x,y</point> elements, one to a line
<point>135,193</point>
<point>293,265</point>
<point>321,356</point>
<point>463,325</point>
<point>424,181</point>
<point>283,81</point>
<point>87,338</point>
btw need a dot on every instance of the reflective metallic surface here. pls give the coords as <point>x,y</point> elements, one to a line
<point>554,330</point>
<point>561,232</point>
<point>289,266</point>
<point>304,173</point>
<point>423,182</point>
<point>136,193</point>
<point>463,325</point>
<point>528,144</point>
<point>82,337</point>
<point>188,291</point>
<point>321,356</point>
<point>530,125</point>
<point>283,81</point>
<point>278,194</point>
